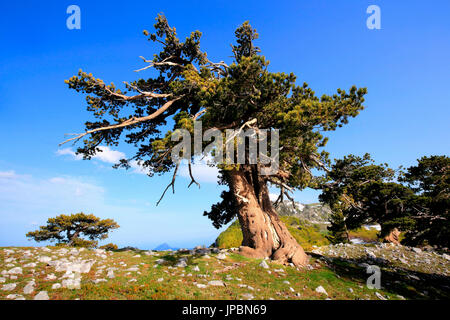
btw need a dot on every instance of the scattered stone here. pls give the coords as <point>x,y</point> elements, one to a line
<point>9,287</point>
<point>201,286</point>
<point>51,276</point>
<point>41,296</point>
<point>248,296</point>
<point>44,259</point>
<point>111,274</point>
<point>221,256</point>
<point>56,286</point>
<point>29,288</point>
<point>16,270</point>
<point>96,281</point>
<point>379,296</point>
<point>321,290</point>
<point>181,264</point>
<point>15,297</point>
<point>216,283</point>
<point>30,265</point>
<point>264,264</point>
<point>71,283</point>
<point>133,269</point>
<point>196,268</point>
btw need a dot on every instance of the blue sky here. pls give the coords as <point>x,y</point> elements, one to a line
<point>405,67</point>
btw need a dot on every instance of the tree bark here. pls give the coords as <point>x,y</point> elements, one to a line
<point>264,234</point>
<point>393,236</point>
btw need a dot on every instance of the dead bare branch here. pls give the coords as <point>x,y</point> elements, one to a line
<point>171,184</point>
<point>125,123</point>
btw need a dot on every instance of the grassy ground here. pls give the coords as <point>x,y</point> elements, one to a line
<point>243,278</point>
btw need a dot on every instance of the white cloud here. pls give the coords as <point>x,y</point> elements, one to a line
<point>69,151</point>
<point>201,171</point>
<point>108,155</point>
<point>273,196</point>
<point>7,174</point>
<point>20,190</point>
<point>105,155</point>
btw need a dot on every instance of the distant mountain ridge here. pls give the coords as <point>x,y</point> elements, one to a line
<point>164,247</point>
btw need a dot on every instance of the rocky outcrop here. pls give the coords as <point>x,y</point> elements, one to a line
<point>312,213</point>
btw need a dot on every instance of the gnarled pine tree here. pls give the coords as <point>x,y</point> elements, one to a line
<point>71,228</point>
<point>190,87</point>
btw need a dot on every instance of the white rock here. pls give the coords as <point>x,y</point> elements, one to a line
<point>71,283</point>
<point>29,288</point>
<point>2,280</point>
<point>30,265</point>
<point>133,269</point>
<point>379,296</point>
<point>51,276</point>
<point>15,297</point>
<point>201,286</point>
<point>86,266</point>
<point>110,274</point>
<point>417,250</point>
<point>99,280</point>
<point>264,264</point>
<point>16,270</point>
<point>9,287</point>
<point>370,254</point>
<point>217,283</point>
<point>321,289</point>
<point>44,259</point>
<point>196,269</point>
<point>160,280</point>
<point>221,256</point>
<point>41,296</point>
<point>248,296</point>
<point>56,286</point>
<point>181,264</point>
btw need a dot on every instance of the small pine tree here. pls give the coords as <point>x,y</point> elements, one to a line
<point>68,229</point>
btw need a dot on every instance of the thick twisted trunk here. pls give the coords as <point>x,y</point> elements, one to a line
<point>264,234</point>
<point>393,237</point>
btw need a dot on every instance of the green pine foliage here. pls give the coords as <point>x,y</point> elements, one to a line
<point>69,230</point>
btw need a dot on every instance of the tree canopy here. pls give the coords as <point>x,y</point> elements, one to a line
<point>416,201</point>
<point>70,229</point>
<point>187,88</point>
